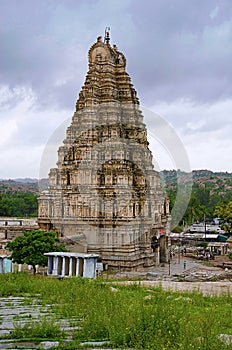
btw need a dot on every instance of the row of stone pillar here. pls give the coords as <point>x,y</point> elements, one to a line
<point>73,264</point>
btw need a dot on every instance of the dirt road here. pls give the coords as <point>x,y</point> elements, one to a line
<point>195,274</point>
<point>206,288</point>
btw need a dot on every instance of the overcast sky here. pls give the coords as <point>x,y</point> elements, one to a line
<point>178,54</point>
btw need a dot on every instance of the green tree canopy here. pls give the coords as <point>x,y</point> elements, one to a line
<point>224,212</point>
<point>19,204</point>
<point>31,246</point>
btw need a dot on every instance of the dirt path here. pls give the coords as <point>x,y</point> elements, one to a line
<point>192,269</point>
<point>206,288</point>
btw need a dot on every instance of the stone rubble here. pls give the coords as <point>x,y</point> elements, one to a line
<point>13,311</point>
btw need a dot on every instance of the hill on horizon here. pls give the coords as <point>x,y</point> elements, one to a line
<point>196,173</point>
<point>209,189</point>
<point>218,182</point>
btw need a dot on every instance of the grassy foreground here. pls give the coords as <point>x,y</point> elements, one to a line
<point>126,316</point>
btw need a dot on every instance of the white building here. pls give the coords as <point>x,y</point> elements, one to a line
<point>62,264</point>
<point>202,227</point>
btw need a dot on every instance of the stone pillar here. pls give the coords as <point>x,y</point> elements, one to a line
<point>55,266</point>
<point>84,268</point>
<point>50,261</point>
<point>63,266</point>
<point>163,250</point>
<point>157,256</point>
<point>1,265</point>
<point>77,266</point>
<point>70,266</point>
<point>89,270</point>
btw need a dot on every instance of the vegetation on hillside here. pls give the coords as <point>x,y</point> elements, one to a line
<point>19,204</point>
<point>225,213</point>
<point>209,190</point>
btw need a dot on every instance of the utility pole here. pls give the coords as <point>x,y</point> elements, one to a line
<point>205,226</point>
<point>179,250</point>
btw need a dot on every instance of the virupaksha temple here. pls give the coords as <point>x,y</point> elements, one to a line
<point>104,196</point>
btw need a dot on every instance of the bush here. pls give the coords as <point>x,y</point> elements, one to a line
<point>37,330</point>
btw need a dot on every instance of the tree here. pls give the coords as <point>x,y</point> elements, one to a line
<point>224,212</point>
<point>19,204</point>
<point>31,246</point>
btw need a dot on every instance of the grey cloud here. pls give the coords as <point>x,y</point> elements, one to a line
<point>174,48</point>
<point>48,42</point>
<point>181,51</point>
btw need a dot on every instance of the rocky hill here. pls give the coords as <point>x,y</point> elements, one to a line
<point>22,185</point>
<point>210,189</point>
<point>219,183</point>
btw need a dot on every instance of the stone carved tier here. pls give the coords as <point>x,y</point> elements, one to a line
<point>105,197</point>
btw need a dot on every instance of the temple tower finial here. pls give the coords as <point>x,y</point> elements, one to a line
<point>107,35</point>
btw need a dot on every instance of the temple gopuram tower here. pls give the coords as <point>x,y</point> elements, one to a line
<point>104,196</point>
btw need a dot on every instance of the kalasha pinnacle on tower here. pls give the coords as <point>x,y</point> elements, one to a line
<point>104,196</point>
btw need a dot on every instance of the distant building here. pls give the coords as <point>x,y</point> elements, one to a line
<point>11,227</point>
<point>202,227</point>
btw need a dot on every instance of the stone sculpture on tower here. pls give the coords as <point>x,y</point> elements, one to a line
<point>104,196</point>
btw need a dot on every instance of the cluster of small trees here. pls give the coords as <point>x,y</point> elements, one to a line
<point>31,246</point>
<point>224,212</point>
<point>203,204</point>
<point>18,204</point>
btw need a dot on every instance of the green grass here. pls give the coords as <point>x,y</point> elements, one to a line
<point>127,316</point>
<point>37,331</point>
